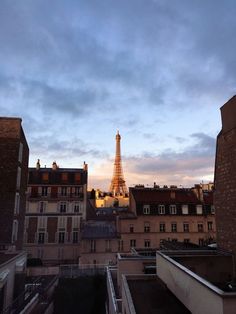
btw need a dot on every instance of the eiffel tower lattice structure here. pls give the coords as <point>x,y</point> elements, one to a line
<point>118,186</point>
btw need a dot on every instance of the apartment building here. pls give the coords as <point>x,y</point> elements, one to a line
<point>55,209</point>
<point>14,153</point>
<point>175,214</point>
<point>13,182</point>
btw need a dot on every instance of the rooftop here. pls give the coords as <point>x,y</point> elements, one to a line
<point>99,230</point>
<point>151,295</point>
<point>170,195</point>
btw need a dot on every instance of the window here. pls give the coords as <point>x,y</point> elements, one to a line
<point>108,246</point>
<point>210,225</point>
<point>18,179</point>
<point>120,245</point>
<point>161,209</point>
<point>44,191</point>
<point>185,209</point>
<point>199,209</point>
<point>93,246</point>
<point>17,203</point>
<point>131,228</point>
<point>20,152</point>
<point>173,209</point>
<point>64,191</point>
<point>64,176</point>
<point>41,237</point>
<point>61,237</point>
<point>133,243</point>
<point>77,177</point>
<point>200,227</point>
<point>77,207</point>
<point>42,222</point>
<point>75,237</point>
<point>186,227</point>
<point>147,227</point>
<point>75,222</point>
<point>174,227</point>
<point>45,176</point>
<point>62,222</point>
<point>14,230</point>
<point>42,207</point>
<point>212,209</point>
<point>162,227</point>
<point>63,207</point>
<point>186,240</point>
<point>146,209</point>
<point>174,240</point>
<point>77,191</point>
<point>147,243</point>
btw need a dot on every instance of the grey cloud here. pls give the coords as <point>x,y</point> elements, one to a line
<point>50,147</point>
<point>198,158</point>
<point>158,49</point>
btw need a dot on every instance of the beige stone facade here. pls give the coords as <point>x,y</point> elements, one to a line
<point>56,207</point>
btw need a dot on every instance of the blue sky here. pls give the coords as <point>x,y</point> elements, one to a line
<point>77,71</point>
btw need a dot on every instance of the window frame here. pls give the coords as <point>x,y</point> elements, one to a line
<point>161,209</point>
<point>146,209</point>
<point>173,209</point>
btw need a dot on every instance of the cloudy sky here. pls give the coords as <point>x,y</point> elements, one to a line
<point>77,71</point>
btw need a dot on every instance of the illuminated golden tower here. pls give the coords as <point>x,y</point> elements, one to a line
<point>118,186</point>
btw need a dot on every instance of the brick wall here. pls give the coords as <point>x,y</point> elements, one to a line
<point>225,178</point>
<point>11,135</point>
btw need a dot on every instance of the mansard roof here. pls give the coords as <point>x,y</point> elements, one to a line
<point>170,196</point>
<point>75,176</point>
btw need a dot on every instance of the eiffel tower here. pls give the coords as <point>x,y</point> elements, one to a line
<point>118,186</point>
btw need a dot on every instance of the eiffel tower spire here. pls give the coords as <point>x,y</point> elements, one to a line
<point>118,186</point>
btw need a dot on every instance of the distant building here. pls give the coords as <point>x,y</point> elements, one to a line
<point>56,206</point>
<point>103,199</point>
<point>14,153</point>
<point>188,279</point>
<point>175,214</point>
<point>99,242</point>
<point>154,215</point>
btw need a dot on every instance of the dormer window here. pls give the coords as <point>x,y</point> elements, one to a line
<point>146,209</point>
<point>161,209</point>
<point>185,209</point>
<point>199,209</point>
<point>64,176</point>
<point>45,176</point>
<point>173,209</point>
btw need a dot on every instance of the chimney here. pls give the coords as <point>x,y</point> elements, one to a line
<point>198,192</point>
<point>54,165</point>
<point>85,166</point>
<point>38,164</point>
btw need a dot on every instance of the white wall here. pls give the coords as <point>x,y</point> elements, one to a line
<point>197,294</point>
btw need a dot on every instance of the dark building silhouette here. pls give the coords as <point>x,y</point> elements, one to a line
<point>225,178</point>
<point>14,153</point>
